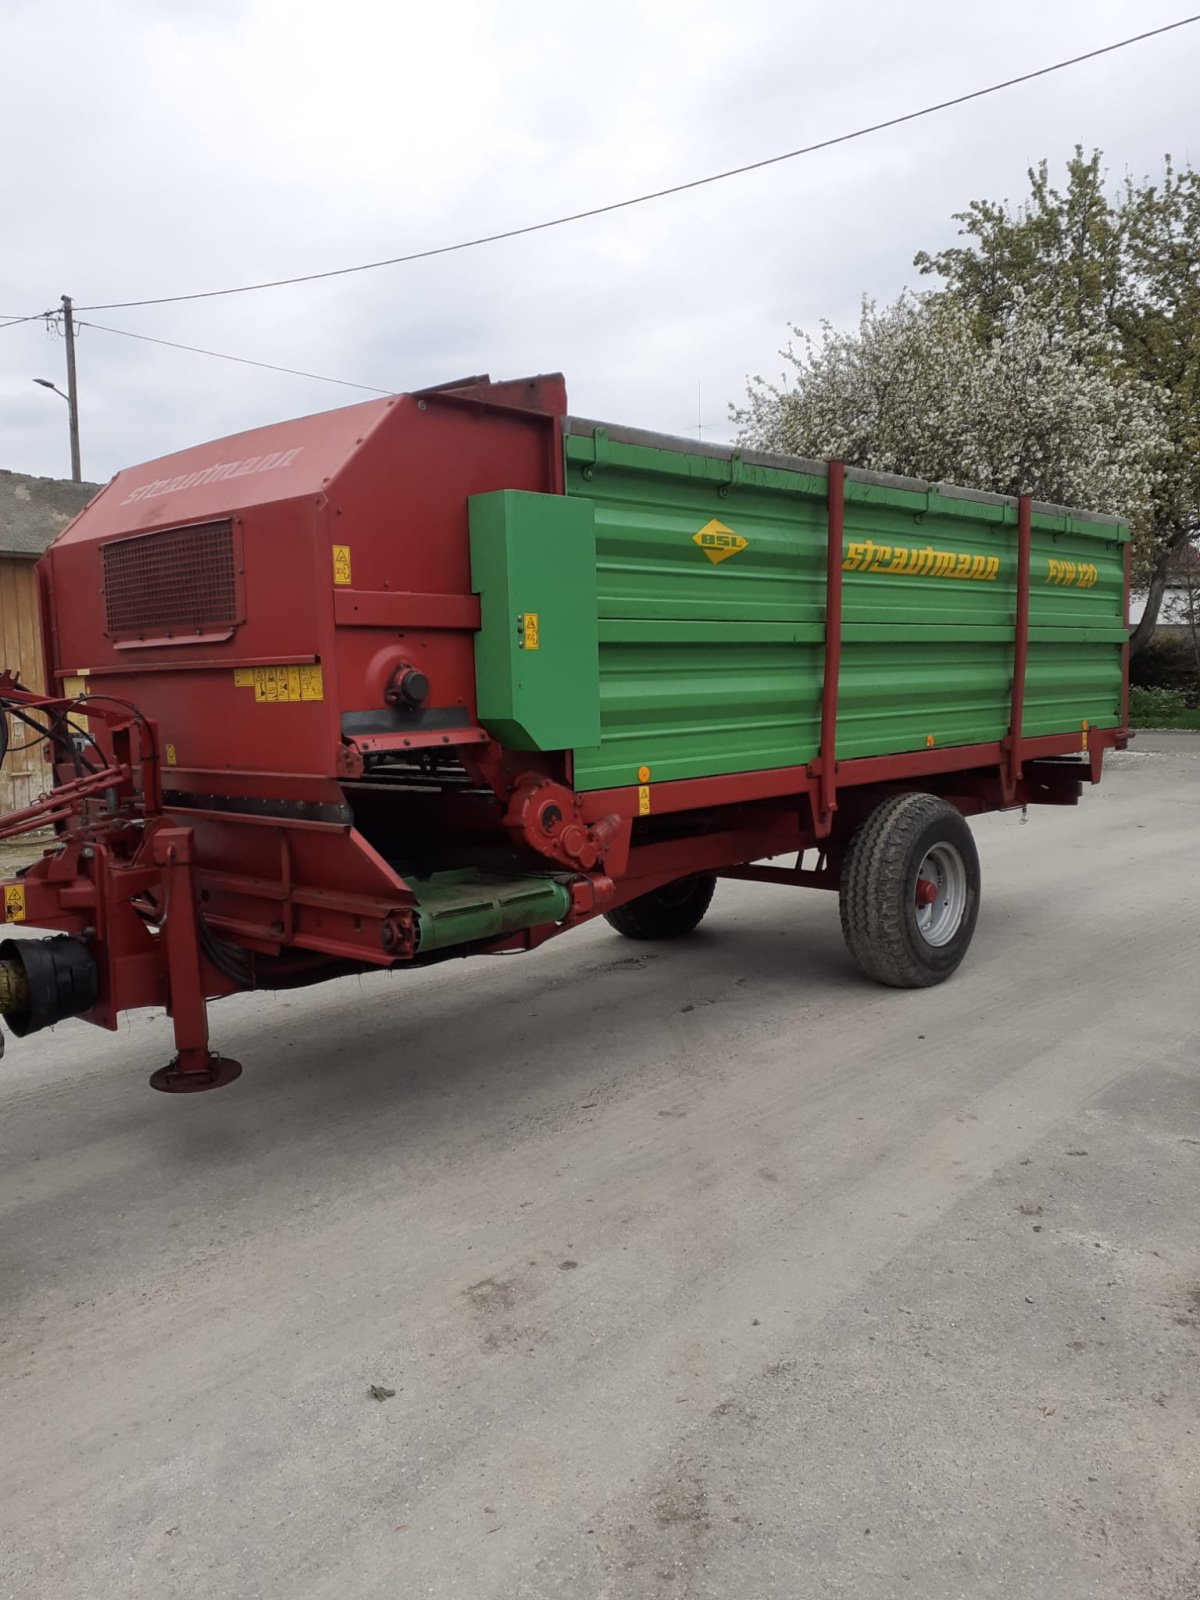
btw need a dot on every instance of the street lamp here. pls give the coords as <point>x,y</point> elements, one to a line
<point>46,384</point>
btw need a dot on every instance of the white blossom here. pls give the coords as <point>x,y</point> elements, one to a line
<point>913,391</point>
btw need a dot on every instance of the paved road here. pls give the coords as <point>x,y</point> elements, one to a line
<point>707,1271</point>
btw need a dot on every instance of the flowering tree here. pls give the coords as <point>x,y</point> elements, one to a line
<point>1061,358</point>
<point>1121,265</point>
<point>913,390</point>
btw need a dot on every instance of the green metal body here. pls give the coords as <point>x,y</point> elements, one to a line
<point>533,564</point>
<point>466,906</point>
<point>681,601</point>
<point>711,667</point>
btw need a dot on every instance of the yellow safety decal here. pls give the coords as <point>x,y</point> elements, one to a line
<point>341,564</point>
<point>278,685</point>
<point>719,542</point>
<point>1068,574</point>
<point>74,686</point>
<point>528,631</point>
<point>169,752</point>
<point>1083,744</point>
<point>899,561</point>
<point>643,799</point>
<point>14,902</point>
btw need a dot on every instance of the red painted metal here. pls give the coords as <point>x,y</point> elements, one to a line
<point>385,608</point>
<point>926,892</point>
<point>1125,649</point>
<point>1021,646</point>
<point>258,851</point>
<point>827,759</point>
<point>62,802</point>
<point>195,1066</point>
<point>697,794</point>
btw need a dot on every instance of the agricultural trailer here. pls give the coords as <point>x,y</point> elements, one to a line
<point>451,672</point>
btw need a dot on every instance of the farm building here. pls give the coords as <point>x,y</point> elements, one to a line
<point>32,512</point>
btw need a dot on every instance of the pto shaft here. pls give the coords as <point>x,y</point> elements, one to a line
<point>14,987</point>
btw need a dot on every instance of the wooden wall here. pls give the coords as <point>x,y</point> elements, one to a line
<point>24,774</point>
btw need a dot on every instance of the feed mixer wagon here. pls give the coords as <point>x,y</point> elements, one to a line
<point>452,672</point>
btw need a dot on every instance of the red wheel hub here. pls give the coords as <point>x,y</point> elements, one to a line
<point>926,892</point>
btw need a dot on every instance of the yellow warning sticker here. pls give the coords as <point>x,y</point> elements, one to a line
<point>643,799</point>
<point>527,627</point>
<point>14,902</point>
<point>172,758</point>
<point>279,685</point>
<point>341,564</point>
<point>73,687</point>
<point>719,542</point>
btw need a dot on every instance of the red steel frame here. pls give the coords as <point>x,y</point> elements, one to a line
<point>121,880</point>
<point>827,759</point>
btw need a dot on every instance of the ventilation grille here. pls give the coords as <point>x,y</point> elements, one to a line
<point>174,584</point>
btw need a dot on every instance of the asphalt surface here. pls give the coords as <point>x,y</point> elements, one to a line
<point>701,1271</point>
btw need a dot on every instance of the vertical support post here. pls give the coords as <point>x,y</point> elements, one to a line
<point>72,390</point>
<point>195,1067</point>
<point>1021,643</point>
<point>1125,646</point>
<point>833,645</point>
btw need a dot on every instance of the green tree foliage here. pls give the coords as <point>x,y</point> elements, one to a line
<point>1124,267</point>
<point>1060,356</point>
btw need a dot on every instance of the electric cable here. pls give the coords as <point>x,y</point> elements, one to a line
<point>658,194</point>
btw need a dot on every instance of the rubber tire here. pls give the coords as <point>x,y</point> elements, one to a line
<point>666,913</point>
<point>878,891</point>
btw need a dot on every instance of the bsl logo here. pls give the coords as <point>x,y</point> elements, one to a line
<point>719,542</point>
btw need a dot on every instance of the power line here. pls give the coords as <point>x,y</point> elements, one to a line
<point>656,194</point>
<point>221,355</point>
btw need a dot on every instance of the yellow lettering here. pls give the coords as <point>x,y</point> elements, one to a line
<point>855,557</point>
<point>883,554</point>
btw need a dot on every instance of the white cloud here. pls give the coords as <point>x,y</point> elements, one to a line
<point>163,149</point>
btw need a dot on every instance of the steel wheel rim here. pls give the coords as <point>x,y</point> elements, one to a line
<point>940,919</point>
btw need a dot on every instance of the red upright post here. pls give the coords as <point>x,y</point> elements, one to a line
<point>1021,646</point>
<point>1125,647</point>
<point>833,644</point>
<point>195,1067</point>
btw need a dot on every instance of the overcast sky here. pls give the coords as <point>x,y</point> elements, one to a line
<point>160,146</point>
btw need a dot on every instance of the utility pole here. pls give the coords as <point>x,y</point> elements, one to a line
<point>72,390</point>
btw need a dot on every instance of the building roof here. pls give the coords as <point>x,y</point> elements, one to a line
<point>33,511</point>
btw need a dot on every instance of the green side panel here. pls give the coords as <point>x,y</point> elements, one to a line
<point>462,907</point>
<point>534,556</point>
<point>716,667</point>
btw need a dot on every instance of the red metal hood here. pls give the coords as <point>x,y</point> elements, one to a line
<point>225,476</point>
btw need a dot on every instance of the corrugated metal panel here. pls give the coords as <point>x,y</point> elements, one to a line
<point>714,665</point>
<point>24,774</point>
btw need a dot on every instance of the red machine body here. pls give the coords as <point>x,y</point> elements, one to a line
<point>299,620</point>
